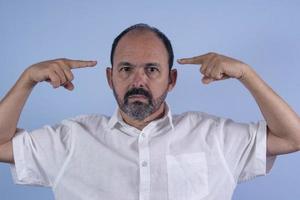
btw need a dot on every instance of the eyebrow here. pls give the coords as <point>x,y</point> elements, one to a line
<point>152,64</point>
<point>128,64</point>
<point>125,64</point>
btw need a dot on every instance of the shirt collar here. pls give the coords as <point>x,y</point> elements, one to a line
<point>117,118</point>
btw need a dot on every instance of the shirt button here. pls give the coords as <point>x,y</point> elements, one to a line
<point>144,164</point>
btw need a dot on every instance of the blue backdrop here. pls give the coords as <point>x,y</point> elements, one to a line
<point>264,34</point>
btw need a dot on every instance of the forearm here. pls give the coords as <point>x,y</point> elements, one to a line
<point>11,107</point>
<point>282,121</point>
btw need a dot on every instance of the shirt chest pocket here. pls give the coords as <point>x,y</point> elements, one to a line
<point>187,176</point>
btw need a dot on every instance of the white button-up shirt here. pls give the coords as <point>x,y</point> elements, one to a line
<point>190,156</point>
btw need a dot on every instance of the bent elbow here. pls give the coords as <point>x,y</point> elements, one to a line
<point>4,138</point>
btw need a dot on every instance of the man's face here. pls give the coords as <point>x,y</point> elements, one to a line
<point>140,75</point>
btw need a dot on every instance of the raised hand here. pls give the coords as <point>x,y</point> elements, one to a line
<point>217,67</point>
<point>57,72</point>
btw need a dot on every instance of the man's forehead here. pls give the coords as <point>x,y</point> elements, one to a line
<point>140,45</point>
<point>139,32</point>
<point>140,39</point>
<point>142,54</point>
<point>136,60</point>
<point>141,48</point>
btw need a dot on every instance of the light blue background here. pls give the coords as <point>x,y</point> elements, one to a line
<point>264,34</point>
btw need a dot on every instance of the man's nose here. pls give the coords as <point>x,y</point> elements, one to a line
<point>139,79</point>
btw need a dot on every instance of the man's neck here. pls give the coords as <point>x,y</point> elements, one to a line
<point>140,124</point>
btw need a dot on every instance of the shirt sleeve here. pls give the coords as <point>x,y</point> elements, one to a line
<point>40,154</point>
<point>244,147</point>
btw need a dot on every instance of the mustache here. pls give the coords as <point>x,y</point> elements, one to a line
<point>137,91</point>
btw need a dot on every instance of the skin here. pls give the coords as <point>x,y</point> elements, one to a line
<point>57,72</point>
<point>139,50</point>
<point>283,124</point>
<point>141,60</point>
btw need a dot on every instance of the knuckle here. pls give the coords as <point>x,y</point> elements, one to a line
<point>209,69</point>
<point>57,83</point>
<point>49,70</point>
<point>217,58</point>
<point>201,70</point>
<point>58,63</point>
<point>211,54</point>
<point>71,77</point>
<point>63,61</point>
<point>221,63</point>
<point>54,84</point>
<point>54,65</point>
<point>55,80</point>
<point>63,80</point>
<point>215,75</point>
<point>60,60</point>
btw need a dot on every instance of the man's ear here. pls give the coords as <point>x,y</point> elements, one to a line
<point>109,76</point>
<point>172,79</point>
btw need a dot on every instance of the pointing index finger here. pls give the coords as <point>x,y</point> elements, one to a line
<point>74,64</point>
<point>194,60</point>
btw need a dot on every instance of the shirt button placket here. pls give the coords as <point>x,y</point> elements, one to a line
<point>144,167</point>
<point>144,164</point>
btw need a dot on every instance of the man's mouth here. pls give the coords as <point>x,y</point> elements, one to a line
<point>137,96</point>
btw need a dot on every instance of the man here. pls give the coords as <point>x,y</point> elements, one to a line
<point>143,151</point>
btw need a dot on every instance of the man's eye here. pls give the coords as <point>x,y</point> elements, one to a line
<point>152,69</point>
<point>125,69</point>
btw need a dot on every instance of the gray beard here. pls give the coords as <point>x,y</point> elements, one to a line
<point>138,110</point>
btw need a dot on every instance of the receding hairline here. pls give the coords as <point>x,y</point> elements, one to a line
<point>142,28</point>
<point>140,31</point>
